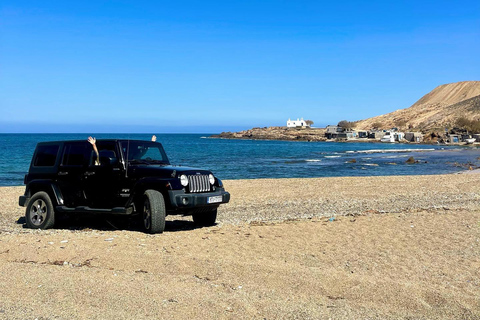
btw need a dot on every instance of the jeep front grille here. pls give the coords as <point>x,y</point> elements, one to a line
<point>198,183</point>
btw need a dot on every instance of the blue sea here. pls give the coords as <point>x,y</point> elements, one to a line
<point>250,159</point>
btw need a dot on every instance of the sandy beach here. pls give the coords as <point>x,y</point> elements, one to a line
<point>402,247</point>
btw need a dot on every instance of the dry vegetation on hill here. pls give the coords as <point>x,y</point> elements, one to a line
<point>440,108</point>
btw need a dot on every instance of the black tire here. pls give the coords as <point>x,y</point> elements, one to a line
<point>153,212</point>
<point>205,219</point>
<point>40,213</point>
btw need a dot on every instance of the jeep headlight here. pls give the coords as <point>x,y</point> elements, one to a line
<point>183,180</point>
<point>211,178</point>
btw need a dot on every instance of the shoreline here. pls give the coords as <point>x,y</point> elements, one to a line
<point>366,140</point>
<point>463,171</point>
<point>309,135</point>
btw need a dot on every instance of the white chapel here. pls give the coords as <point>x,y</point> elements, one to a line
<point>299,123</point>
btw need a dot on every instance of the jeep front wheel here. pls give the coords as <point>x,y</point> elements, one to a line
<point>205,219</point>
<point>40,213</point>
<point>154,212</point>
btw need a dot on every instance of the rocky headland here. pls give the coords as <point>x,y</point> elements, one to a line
<point>276,133</point>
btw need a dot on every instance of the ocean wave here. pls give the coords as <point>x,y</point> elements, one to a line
<point>395,157</point>
<point>328,152</point>
<point>302,161</point>
<point>332,156</point>
<point>389,150</point>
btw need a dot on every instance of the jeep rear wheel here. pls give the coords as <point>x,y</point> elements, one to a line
<point>153,212</point>
<point>40,213</point>
<point>205,219</point>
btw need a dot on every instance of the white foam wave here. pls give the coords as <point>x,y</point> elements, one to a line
<point>395,157</point>
<point>333,156</point>
<point>313,160</point>
<point>389,150</point>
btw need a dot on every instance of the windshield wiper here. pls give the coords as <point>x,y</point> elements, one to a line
<point>139,161</point>
<point>158,162</point>
<point>148,161</point>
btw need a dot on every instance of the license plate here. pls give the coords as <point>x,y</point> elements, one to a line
<point>214,199</point>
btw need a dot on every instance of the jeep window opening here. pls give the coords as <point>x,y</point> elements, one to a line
<point>147,152</point>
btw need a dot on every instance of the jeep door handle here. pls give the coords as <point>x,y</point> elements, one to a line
<point>62,173</point>
<point>89,173</point>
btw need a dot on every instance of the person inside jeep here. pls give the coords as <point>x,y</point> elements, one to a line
<point>93,141</point>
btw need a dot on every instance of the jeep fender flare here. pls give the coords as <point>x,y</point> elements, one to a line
<point>47,186</point>
<point>158,184</point>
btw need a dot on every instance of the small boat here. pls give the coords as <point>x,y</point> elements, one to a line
<point>388,137</point>
<point>470,141</point>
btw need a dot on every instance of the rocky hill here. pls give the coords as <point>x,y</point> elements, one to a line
<point>437,109</point>
<point>440,108</point>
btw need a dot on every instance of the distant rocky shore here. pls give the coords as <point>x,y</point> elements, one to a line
<point>318,134</point>
<point>276,133</point>
<point>285,134</point>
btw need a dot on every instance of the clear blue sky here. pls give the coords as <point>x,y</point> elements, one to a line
<point>211,66</point>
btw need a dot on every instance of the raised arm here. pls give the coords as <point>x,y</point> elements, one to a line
<point>93,143</point>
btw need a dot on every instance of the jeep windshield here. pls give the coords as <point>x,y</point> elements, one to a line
<point>145,152</point>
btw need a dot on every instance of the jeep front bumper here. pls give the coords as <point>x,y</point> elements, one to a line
<point>181,200</point>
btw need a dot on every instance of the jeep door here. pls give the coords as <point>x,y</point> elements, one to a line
<point>70,174</point>
<point>102,183</point>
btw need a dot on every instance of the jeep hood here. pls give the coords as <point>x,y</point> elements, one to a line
<point>168,171</point>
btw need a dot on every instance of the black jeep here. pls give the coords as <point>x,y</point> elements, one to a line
<point>130,177</point>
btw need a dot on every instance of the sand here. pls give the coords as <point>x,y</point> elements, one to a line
<point>327,248</point>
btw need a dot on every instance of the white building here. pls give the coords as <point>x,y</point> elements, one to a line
<point>299,123</point>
